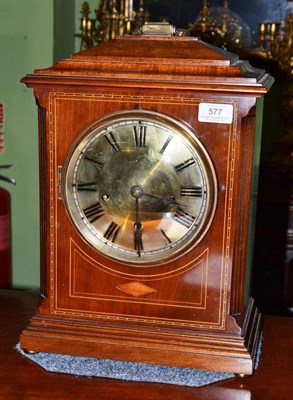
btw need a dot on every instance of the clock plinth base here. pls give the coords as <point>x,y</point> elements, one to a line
<point>217,351</point>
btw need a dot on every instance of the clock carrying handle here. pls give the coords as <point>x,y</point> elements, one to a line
<point>160,29</point>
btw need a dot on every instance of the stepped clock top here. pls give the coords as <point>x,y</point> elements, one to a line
<point>161,57</point>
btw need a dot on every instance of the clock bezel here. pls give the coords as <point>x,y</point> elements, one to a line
<point>188,135</point>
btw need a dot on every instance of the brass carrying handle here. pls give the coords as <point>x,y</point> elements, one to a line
<point>160,29</point>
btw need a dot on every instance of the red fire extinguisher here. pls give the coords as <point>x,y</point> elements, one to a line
<point>5,234</point>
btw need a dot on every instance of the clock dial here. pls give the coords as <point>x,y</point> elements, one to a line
<point>140,187</point>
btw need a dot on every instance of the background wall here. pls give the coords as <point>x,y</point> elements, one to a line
<point>32,33</point>
<point>26,29</point>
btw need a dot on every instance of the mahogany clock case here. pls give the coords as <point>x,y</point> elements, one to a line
<point>190,310</point>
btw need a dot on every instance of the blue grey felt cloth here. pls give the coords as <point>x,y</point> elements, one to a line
<point>128,371</point>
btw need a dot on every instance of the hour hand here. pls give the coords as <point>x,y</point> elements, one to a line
<point>167,199</point>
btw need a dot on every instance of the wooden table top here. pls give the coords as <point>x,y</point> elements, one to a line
<point>20,378</point>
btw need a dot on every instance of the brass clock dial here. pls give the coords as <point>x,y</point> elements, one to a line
<point>140,186</point>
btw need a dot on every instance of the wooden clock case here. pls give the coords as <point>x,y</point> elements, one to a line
<point>194,311</point>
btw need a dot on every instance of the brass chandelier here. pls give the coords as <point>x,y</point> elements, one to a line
<point>276,43</point>
<point>113,18</point>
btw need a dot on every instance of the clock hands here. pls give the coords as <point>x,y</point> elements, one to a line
<point>137,192</point>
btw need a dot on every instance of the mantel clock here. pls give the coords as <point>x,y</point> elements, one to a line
<point>148,162</point>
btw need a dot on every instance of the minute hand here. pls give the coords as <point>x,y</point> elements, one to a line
<point>137,230</point>
<point>167,199</point>
<point>136,192</point>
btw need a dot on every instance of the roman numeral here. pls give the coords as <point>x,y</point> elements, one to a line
<point>97,164</point>
<point>186,164</point>
<point>94,212</point>
<point>112,142</point>
<point>112,232</point>
<point>194,191</point>
<point>139,133</point>
<point>166,144</point>
<point>183,217</point>
<point>86,186</point>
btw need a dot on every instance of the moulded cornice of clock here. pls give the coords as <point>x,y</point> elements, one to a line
<point>184,61</point>
<point>176,77</point>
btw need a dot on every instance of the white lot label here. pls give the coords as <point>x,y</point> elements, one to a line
<point>215,113</point>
